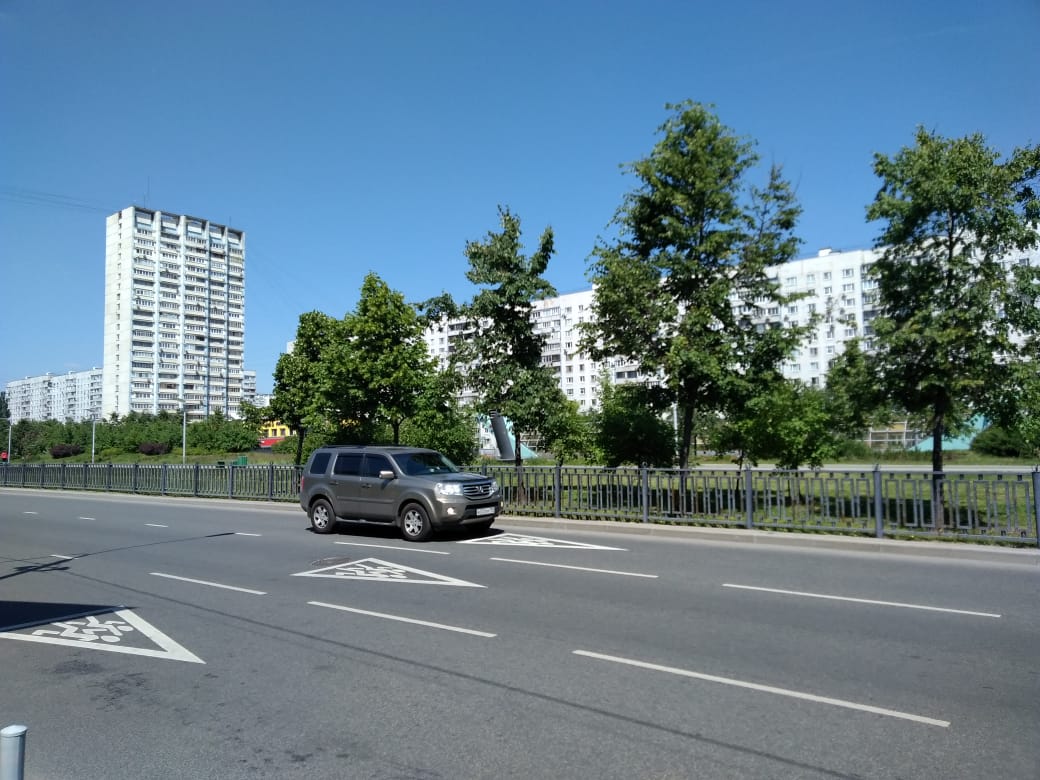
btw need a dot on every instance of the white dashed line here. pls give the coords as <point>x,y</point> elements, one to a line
<point>205,582</point>
<point>64,557</point>
<point>578,568</point>
<point>240,533</point>
<point>157,525</point>
<point>30,513</point>
<point>861,601</point>
<point>392,547</point>
<point>85,518</point>
<point>768,689</point>
<point>404,619</point>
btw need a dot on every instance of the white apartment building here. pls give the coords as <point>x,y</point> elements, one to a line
<point>834,284</point>
<point>174,314</point>
<point>73,396</point>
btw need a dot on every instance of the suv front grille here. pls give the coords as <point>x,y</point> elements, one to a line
<point>481,490</point>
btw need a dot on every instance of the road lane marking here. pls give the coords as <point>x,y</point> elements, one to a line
<point>851,705</point>
<point>242,533</point>
<point>205,582</point>
<point>30,513</point>
<point>392,547</point>
<point>577,568</point>
<point>862,601</point>
<point>64,557</point>
<point>157,525</point>
<point>85,518</point>
<point>400,619</point>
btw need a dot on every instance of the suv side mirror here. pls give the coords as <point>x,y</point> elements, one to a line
<point>387,474</point>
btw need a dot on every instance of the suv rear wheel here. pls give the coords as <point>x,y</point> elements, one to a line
<point>415,523</point>
<point>323,519</point>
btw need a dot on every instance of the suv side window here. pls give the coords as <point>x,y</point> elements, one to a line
<point>347,464</point>
<point>374,464</point>
<point>320,463</point>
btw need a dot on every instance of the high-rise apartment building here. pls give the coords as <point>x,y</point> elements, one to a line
<point>174,314</point>
<point>73,396</point>
<point>834,287</point>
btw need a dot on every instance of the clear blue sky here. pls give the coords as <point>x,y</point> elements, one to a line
<point>348,137</point>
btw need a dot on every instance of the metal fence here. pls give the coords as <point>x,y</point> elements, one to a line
<point>995,507</point>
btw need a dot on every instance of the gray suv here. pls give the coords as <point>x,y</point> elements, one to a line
<point>415,489</point>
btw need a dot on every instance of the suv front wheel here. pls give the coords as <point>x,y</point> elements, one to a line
<point>415,523</point>
<point>323,519</point>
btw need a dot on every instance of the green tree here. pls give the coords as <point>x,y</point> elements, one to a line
<point>952,213</point>
<point>441,422</point>
<point>376,372</point>
<point>628,427</point>
<point>503,355</point>
<point>853,399</point>
<point>682,290</point>
<point>789,424</point>
<point>298,398</point>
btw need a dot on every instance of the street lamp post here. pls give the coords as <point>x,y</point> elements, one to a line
<point>93,437</point>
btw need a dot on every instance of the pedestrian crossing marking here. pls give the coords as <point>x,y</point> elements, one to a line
<point>523,540</point>
<point>376,570</point>
<point>115,630</point>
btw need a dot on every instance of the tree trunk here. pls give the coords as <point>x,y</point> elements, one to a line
<point>396,425</point>
<point>938,510</point>
<point>300,434</point>
<point>685,436</point>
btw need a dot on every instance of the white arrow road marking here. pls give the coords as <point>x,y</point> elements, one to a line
<point>376,570</point>
<point>105,631</point>
<point>523,540</point>
<point>768,689</point>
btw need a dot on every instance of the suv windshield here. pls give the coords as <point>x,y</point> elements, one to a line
<point>415,463</point>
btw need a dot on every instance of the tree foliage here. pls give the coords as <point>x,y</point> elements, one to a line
<point>502,357</point>
<point>377,368</point>
<point>682,289</point>
<point>951,212</point>
<point>628,428</point>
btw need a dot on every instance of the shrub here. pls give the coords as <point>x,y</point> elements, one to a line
<point>65,450</point>
<point>1000,443</point>
<point>153,448</point>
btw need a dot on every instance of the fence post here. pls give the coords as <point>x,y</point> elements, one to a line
<point>108,478</point>
<point>195,480</point>
<point>879,523</point>
<point>749,498</point>
<point>270,481</point>
<point>557,489</point>
<point>12,752</point>
<point>644,491</point>
<point>230,480</point>
<point>133,482</point>
<point>63,475</point>
<point>162,480</point>
<point>1036,501</point>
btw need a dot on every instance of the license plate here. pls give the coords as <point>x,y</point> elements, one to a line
<point>486,510</point>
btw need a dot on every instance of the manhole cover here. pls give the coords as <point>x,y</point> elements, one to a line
<point>330,561</point>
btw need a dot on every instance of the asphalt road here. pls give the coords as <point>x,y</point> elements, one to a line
<point>179,638</point>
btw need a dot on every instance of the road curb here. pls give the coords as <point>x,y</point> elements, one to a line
<point>947,550</point>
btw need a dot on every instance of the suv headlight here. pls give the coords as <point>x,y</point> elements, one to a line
<point>448,489</point>
<point>494,486</point>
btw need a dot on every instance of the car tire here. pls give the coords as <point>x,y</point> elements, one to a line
<point>415,523</point>
<point>323,519</point>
